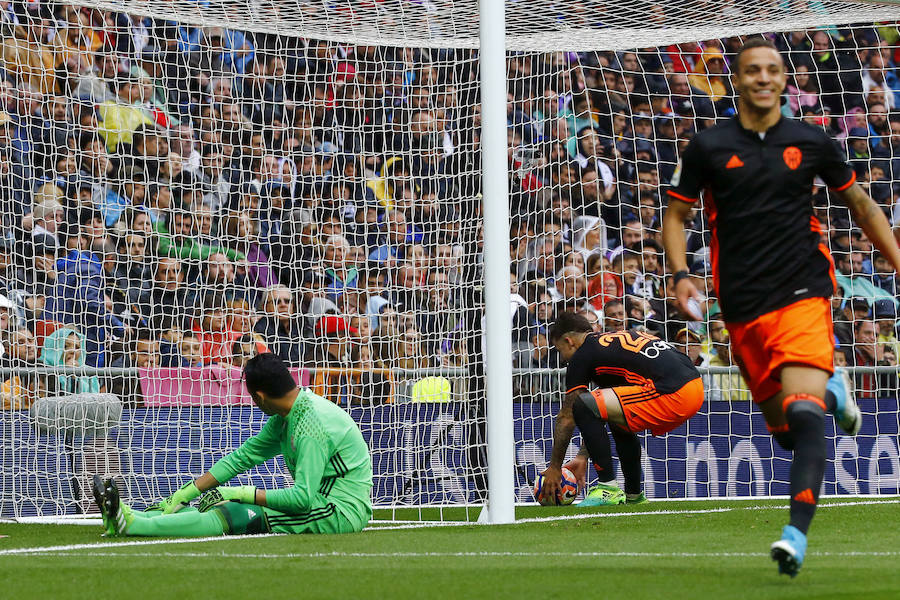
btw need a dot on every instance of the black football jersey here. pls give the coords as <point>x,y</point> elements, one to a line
<point>629,358</point>
<point>766,252</point>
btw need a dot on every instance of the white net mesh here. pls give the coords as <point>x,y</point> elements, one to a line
<point>183,190</point>
<point>539,25</point>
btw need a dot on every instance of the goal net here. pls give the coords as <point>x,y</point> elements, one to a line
<point>186,184</point>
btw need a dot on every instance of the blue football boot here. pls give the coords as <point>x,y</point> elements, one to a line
<point>789,551</point>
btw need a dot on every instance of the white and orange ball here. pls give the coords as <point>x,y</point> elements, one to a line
<point>568,489</point>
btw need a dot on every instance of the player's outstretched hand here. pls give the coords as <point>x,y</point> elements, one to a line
<point>688,299</point>
<point>246,494</point>
<point>552,479</point>
<point>179,499</point>
<point>578,466</point>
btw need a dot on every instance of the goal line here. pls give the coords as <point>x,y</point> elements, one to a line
<point>394,524</point>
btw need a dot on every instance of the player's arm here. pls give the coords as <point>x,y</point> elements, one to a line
<point>256,450</point>
<point>562,435</point>
<point>675,245</point>
<point>687,181</point>
<point>578,466</point>
<point>578,375</point>
<point>674,239</point>
<point>840,178</point>
<point>579,372</point>
<point>870,218</point>
<point>311,458</point>
<point>562,430</point>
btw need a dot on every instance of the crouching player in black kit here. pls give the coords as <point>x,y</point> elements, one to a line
<point>641,383</point>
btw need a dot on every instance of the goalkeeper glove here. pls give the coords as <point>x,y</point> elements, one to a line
<point>179,499</point>
<point>245,494</point>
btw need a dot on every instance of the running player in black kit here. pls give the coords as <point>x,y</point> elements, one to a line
<point>772,274</point>
<point>641,382</point>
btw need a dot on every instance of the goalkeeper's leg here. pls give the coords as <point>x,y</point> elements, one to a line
<point>119,519</point>
<point>234,518</point>
<point>188,522</point>
<point>227,518</point>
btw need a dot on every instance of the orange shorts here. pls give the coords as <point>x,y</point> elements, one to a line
<point>646,408</point>
<point>800,333</point>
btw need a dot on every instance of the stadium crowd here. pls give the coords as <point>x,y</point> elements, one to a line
<point>181,196</point>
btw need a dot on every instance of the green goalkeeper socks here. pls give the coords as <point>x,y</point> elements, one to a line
<point>185,523</point>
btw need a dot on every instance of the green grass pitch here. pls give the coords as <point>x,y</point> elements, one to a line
<point>661,550</point>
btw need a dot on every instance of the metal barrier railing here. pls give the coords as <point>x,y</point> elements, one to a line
<point>722,383</point>
<point>423,372</point>
<point>528,383</point>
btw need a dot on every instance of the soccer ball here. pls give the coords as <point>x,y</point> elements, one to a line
<point>568,488</point>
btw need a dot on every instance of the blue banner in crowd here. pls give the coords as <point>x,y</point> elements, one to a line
<point>422,454</point>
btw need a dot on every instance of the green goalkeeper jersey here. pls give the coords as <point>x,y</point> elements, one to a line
<point>324,451</point>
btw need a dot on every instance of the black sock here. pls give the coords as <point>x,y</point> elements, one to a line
<point>807,423</point>
<point>629,450</point>
<point>830,402</point>
<point>594,436</point>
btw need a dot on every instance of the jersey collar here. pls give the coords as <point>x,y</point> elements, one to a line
<point>755,135</point>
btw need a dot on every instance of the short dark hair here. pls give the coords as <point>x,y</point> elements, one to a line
<point>857,325</point>
<point>569,322</point>
<point>612,304</point>
<point>840,255</point>
<point>268,374</point>
<point>86,215</point>
<point>756,42</point>
<point>140,135</point>
<point>651,243</point>
<point>235,346</point>
<point>634,251</point>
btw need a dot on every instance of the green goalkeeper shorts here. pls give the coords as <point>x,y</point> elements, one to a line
<point>323,517</point>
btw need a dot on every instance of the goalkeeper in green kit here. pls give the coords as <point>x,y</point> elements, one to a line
<point>322,447</point>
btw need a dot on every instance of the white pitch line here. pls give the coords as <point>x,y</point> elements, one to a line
<point>574,517</point>
<point>66,548</point>
<point>313,555</point>
<point>614,515</point>
<point>413,524</point>
<point>610,515</point>
<point>859,503</point>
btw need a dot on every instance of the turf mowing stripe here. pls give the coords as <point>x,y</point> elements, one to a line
<point>59,549</point>
<point>883,499</point>
<point>466,554</point>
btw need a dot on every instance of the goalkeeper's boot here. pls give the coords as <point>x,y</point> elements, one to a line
<point>636,499</point>
<point>789,551</point>
<point>846,412</point>
<point>100,488</point>
<point>116,514</point>
<point>603,495</point>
